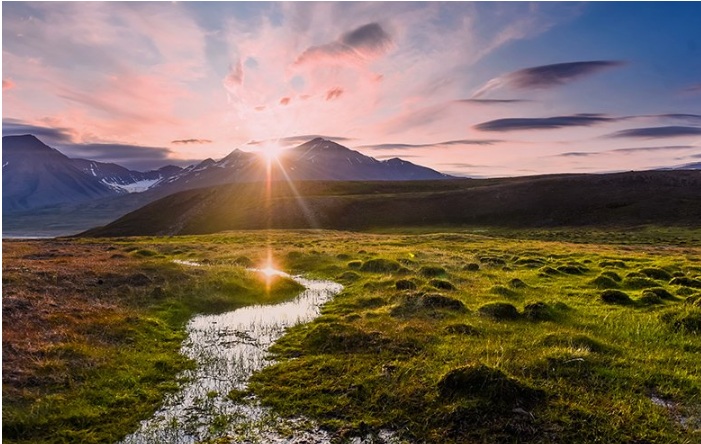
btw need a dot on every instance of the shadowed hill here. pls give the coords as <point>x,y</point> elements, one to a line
<point>621,199</point>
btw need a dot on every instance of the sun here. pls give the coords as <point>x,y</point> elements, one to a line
<point>270,151</point>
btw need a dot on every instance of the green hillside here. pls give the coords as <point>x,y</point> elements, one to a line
<point>622,199</point>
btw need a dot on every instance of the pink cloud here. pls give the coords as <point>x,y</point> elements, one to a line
<point>285,101</point>
<point>364,43</point>
<point>234,79</point>
<point>7,84</point>
<point>334,93</point>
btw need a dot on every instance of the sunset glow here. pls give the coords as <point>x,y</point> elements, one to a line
<point>474,89</point>
<point>270,151</point>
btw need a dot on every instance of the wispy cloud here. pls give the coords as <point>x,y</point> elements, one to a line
<point>516,124</point>
<point>334,93</point>
<point>403,146</point>
<point>659,132</point>
<point>646,149</point>
<point>361,44</point>
<point>546,76</point>
<point>578,154</point>
<point>298,140</point>
<point>678,116</point>
<point>693,89</point>
<point>491,101</point>
<point>190,141</point>
<point>14,127</point>
<point>131,156</point>
<point>7,84</point>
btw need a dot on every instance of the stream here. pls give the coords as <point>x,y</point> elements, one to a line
<point>228,348</point>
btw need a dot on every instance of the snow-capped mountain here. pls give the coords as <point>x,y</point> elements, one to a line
<point>318,159</point>
<point>36,175</point>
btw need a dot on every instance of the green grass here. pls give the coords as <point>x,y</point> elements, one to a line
<point>112,351</point>
<point>560,366</point>
<point>407,345</point>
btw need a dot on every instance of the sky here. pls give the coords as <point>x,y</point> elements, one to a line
<point>472,89</point>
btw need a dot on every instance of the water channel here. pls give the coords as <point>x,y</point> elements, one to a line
<point>228,348</point>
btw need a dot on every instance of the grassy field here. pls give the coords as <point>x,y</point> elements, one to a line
<point>483,336</point>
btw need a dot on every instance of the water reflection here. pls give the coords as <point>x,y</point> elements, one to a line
<point>228,348</point>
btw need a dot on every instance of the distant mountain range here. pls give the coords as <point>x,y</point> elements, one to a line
<point>36,175</point>
<point>667,198</point>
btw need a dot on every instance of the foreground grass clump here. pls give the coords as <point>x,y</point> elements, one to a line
<point>91,339</point>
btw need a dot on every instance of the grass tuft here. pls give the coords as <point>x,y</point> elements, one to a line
<point>499,311</point>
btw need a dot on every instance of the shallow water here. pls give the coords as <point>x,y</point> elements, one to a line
<point>228,349</point>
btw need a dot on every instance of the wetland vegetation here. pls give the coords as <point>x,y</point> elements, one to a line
<point>491,336</point>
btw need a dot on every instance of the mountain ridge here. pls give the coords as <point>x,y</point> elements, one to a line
<point>317,159</point>
<point>619,199</point>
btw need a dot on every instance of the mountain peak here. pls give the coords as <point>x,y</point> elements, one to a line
<point>24,142</point>
<point>320,143</point>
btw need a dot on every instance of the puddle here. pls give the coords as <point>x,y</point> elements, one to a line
<point>687,417</point>
<point>228,349</point>
<point>187,263</point>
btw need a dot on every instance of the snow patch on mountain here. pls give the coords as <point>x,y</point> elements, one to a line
<point>133,187</point>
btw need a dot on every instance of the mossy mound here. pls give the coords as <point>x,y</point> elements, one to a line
<point>656,273</point>
<point>432,271</point>
<point>471,267</point>
<point>529,262</point>
<point>435,300</point>
<point>247,262</point>
<point>334,338</point>
<point>548,271</point>
<point>138,280</point>
<point>405,284</point>
<point>538,311</point>
<point>463,329</point>
<point>442,284</point>
<point>503,291</point>
<point>491,260</point>
<point>517,283</point>
<point>486,383</point>
<point>380,266</point>
<point>144,252</point>
<point>612,264</point>
<point>355,265</point>
<point>499,311</point>
<point>427,304</point>
<point>686,282</point>
<point>660,293</point>
<point>636,283</point>
<point>650,299</point>
<point>348,276</point>
<point>604,282</point>
<point>611,274</point>
<point>571,269</point>
<point>616,297</point>
<point>685,291</point>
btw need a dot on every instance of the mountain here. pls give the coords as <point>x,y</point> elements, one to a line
<point>108,191</point>
<point>318,159</point>
<point>35,175</point>
<point>671,198</point>
<point>123,179</point>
